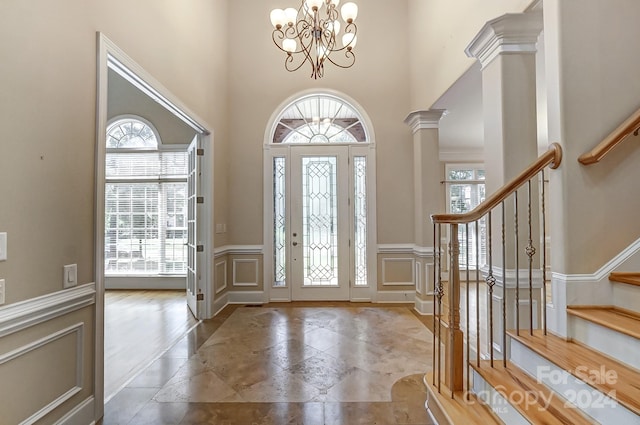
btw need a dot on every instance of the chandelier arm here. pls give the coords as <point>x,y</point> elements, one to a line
<point>351,57</point>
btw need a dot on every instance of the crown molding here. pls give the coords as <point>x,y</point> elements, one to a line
<point>421,120</point>
<point>513,33</point>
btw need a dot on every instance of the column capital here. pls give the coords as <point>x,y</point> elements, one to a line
<point>513,33</point>
<point>420,120</point>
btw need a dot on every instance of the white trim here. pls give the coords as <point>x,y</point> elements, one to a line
<point>78,328</point>
<point>412,263</point>
<point>244,260</point>
<point>24,314</point>
<point>223,287</point>
<point>424,307</point>
<point>238,249</point>
<point>396,248</point>
<point>220,303</point>
<point>81,414</point>
<point>246,297</point>
<point>425,120</point>
<point>512,33</point>
<point>390,297</point>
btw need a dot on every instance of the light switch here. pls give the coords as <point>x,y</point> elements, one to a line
<point>1,291</point>
<point>70,276</point>
<point>3,246</point>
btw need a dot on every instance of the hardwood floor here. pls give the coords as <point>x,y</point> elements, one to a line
<point>139,327</point>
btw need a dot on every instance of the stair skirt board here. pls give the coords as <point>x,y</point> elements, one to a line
<point>495,401</point>
<point>592,402</point>
<point>621,347</point>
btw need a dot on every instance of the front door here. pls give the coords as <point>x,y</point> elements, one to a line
<point>319,223</point>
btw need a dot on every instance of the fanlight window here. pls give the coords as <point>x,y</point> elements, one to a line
<point>319,119</point>
<point>131,134</point>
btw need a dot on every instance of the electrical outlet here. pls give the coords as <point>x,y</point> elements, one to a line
<point>1,291</point>
<point>70,277</point>
<point>3,246</point>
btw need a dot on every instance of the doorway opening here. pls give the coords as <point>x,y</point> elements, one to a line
<point>154,198</point>
<point>320,201</point>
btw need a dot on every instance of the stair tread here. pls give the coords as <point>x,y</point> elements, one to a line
<point>457,410</point>
<point>583,363</point>
<point>632,278</point>
<point>536,402</point>
<point>620,320</point>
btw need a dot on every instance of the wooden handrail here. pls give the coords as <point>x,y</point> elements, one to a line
<point>553,157</point>
<point>612,140</point>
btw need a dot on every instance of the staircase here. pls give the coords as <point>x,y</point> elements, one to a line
<point>508,368</point>
<point>591,378</point>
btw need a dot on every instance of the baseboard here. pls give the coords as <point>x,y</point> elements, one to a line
<point>396,296</point>
<point>246,297</point>
<point>82,414</point>
<point>146,282</point>
<point>220,303</point>
<point>423,307</point>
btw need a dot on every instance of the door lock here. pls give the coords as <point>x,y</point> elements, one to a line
<point>295,244</point>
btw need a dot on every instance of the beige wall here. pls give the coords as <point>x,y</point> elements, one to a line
<point>47,122</point>
<point>592,75</point>
<point>379,82</point>
<point>126,99</point>
<point>439,34</point>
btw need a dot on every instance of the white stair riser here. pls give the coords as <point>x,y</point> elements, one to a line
<point>626,296</point>
<point>624,348</point>
<point>499,405</point>
<point>600,407</point>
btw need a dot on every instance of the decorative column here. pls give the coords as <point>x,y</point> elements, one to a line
<point>506,48</point>
<point>428,199</point>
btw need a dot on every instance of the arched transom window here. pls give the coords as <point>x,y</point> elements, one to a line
<point>319,118</point>
<point>131,133</point>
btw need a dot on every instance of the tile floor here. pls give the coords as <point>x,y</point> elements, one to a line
<point>286,365</point>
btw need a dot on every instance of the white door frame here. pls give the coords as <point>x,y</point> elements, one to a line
<point>271,151</point>
<point>112,57</point>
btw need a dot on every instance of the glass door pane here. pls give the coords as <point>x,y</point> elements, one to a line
<point>320,221</point>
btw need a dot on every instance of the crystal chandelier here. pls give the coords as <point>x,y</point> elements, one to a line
<point>311,33</point>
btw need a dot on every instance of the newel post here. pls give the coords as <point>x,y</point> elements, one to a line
<point>455,351</point>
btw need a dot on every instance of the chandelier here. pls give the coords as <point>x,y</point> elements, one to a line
<point>311,33</point>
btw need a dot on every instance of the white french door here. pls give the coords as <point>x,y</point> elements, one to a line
<point>319,224</point>
<point>193,249</point>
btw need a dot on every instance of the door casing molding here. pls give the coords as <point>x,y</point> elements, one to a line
<point>110,56</point>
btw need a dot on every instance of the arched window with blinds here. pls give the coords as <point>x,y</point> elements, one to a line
<point>145,202</point>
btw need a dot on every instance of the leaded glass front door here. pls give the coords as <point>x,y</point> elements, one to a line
<point>319,231</point>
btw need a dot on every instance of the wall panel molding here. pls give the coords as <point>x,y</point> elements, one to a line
<point>234,274</point>
<point>78,330</point>
<point>24,314</point>
<point>388,281</point>
<point>220,267</point>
